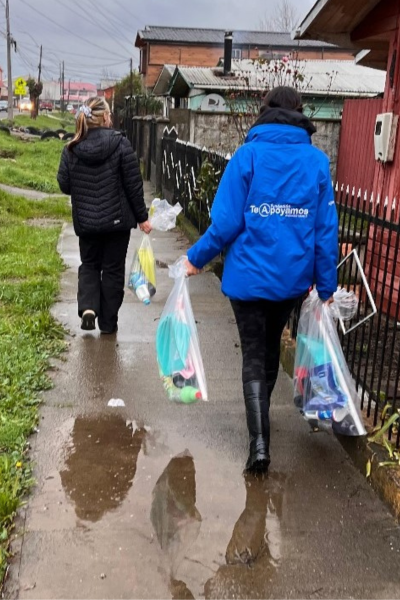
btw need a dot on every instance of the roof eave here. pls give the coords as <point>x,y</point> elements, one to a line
<point>139,42</point>
<point>313,26</point>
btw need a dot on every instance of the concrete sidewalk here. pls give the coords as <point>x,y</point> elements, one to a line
<point>149,501</point>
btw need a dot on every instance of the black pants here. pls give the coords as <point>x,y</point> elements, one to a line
<point>260,325</point>
<point>101,276</point>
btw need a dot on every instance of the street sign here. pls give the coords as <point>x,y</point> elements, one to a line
<point>20,87</point>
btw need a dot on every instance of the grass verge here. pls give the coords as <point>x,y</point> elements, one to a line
<point>56,121</point>
<point>31,164</point>
<point>30,270</point>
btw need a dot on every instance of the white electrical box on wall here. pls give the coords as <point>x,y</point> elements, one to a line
<point>385,136</point>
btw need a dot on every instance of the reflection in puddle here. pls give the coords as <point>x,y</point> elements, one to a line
<point>254,551</point>
<point>175,517</point>
<point>101,465</point>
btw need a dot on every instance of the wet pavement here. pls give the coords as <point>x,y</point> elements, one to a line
<point>150,501</point>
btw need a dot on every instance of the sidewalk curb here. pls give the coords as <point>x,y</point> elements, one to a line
<point>187,228</point>
<point>385,481</point>
<point>191,233</point>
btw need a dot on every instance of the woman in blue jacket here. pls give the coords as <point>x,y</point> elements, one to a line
<point>275,215</point>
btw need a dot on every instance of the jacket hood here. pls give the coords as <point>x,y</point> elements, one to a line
<point>281,116</point>
<point>98,145</point>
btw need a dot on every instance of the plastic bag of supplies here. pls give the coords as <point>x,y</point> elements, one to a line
<point>142,276</point>
<point>163,215</point>
<point>324,387</point>
<point>177,344</point>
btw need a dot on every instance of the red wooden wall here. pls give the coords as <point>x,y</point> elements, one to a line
<point>356,162</point>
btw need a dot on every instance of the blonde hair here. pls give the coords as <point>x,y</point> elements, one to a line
<point>96,107</point>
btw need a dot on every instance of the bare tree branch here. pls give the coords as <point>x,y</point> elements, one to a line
<point>283,19</point>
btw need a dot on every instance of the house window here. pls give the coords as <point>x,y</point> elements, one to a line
<point>237,54</point>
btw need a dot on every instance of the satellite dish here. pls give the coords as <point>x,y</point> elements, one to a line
<point>213,103</point>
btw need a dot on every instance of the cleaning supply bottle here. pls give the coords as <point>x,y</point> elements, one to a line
<point>140,286</point>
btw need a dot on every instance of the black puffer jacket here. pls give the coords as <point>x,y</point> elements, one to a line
<point>102,175</point>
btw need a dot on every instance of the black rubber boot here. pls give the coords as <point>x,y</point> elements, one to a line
<point>257,413</point>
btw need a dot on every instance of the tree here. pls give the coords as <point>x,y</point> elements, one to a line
<point>263,75</point>
<point>35,89</point>
<point>283,19</point>
<point>129,85</point>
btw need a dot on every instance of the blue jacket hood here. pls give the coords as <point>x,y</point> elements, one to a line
<point>282,116</point>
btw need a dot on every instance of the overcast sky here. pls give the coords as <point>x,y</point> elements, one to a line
<point>97,36</point>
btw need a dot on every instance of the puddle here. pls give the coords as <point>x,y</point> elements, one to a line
<point>212,532</point>
<point>101,464</point>
<point>174,515</point>
<point>253,553</point>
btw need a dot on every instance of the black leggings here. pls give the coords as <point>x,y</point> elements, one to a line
<point>260,325</point>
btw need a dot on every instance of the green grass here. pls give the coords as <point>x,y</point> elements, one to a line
<point>43,122</point>
<point>31,164</point>
<point>30,270</point>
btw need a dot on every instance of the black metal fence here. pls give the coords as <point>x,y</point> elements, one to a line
<point>366,224</point>
<point>190,176</point>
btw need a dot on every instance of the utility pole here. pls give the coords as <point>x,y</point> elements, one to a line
<point>62,87</point>
<point>131,77</point>
<point>9,74</point>
<point>39,76</point>
<point>40,64</point>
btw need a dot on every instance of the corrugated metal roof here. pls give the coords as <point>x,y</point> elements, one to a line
<point>164,80</point>
<point>188,35</point>
<point>344,78</point>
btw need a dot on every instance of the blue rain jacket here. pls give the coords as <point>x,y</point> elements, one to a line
<point>275,215</point>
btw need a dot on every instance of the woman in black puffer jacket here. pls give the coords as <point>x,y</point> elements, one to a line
<point>100,171</point>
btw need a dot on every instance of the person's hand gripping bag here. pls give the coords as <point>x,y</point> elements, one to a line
<point>324,388</point>
<point>142,276</point>
<point>177,343</point>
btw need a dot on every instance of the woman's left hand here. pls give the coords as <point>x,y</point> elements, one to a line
<point>191,269</point>
<point>145,227</point>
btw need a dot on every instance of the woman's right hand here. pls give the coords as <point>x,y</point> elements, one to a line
<point>145,227</point>
<point>191,269</point>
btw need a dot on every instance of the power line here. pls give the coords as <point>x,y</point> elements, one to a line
<point>101,26</point>
<point>129,13</point>
<point>66,29</point>
<point>50,50</point>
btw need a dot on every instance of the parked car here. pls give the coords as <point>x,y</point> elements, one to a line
<point>3,105</point>
<point>46,105</point>
<point>70,108</point>
<point>25,104</point>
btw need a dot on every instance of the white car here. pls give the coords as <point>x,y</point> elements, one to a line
<point>25,104</point>
<point>3,105</point>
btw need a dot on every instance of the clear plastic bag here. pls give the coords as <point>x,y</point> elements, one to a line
<point>345,304</point>
<point>163,215</point>
<point>177,343</point>
<point>324,388</point>
<point>142,276</point>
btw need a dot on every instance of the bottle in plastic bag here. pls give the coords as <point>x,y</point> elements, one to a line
<point>178,352</point>
<point>140,285</point>
<point>324,388</point>
<point>142,277</point>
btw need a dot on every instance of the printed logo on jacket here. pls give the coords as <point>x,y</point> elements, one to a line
<point>283,210</point>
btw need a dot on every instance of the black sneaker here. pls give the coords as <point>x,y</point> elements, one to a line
<point>88,322</point>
